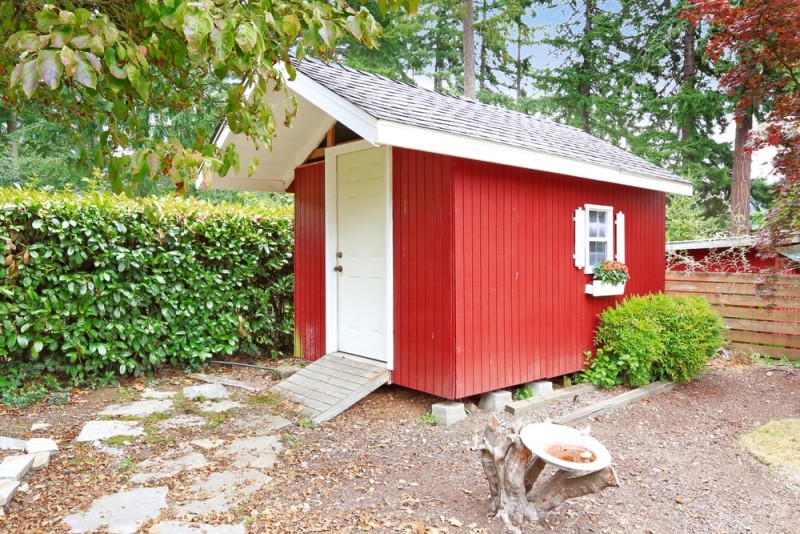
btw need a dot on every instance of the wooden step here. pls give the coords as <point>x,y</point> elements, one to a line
<point>327,387</point>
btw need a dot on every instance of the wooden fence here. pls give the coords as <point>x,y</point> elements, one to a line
<point>761,310</point>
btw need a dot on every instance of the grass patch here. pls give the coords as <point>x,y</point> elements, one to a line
<point>428,419</point>
<point>117,441</point>
<point>264,398</point>
<point>214,419</point>
<point>776,443</point>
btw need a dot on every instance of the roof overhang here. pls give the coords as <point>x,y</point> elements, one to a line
<point>320,108</point>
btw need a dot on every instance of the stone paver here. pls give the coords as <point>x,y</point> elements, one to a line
<point>7,490</point>
<point>219,406</point>
<point>259,452</point>
<point>15,467</point>
<point>142,408</point>
<point>207,444</point>
<point>221,491</point>
<point>167,466</point>
<point>39,426</point>
<point>37,445</point>
<point>181,421</point>
<point>120,513</point>
<point>259,425</point>
<point>209,391</point>
<point>11,444</point>
<point>153,394</point>
<point>99,430</point>
<point>175,527</point>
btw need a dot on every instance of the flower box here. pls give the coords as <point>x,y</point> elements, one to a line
<point>603,289</point>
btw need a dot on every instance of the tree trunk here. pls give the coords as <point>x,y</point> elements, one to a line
<point>13,143</point>
<point>584,85</point>
<point>740,180</point>
<point>469,50</point>
<point>688,81</point>
<point>438,61</point>
<point>512,471</point>
<point>518,65</point>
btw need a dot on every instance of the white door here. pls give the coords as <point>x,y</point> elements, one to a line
<point>362,253</point>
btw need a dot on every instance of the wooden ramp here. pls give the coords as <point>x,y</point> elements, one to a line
<point>327,387</point>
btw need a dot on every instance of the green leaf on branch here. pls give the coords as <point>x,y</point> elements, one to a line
<point>49,67</point>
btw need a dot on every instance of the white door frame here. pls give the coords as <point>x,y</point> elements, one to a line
<point>331,245</point>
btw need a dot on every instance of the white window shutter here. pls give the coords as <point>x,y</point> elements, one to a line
<point>580,238</point>
<point>620,237</point>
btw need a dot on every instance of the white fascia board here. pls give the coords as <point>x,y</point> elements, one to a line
<point>405,136</point>
<point>725,242</point>
<point>337,107</point>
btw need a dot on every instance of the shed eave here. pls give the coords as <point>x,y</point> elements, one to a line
<point>336,106</point>
<point>412,137</point>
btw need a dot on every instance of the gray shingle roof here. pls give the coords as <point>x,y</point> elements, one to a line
<point>407,104</point>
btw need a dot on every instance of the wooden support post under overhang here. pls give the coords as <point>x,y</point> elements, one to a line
<point>330,139</point>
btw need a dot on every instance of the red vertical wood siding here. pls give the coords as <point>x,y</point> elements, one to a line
<point>521,311</point>
<point>422,213</point>
<point>309,261</point>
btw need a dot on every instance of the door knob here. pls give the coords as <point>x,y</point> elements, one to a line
<point>338,268</point>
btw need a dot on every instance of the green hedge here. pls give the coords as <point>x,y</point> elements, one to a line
<point>98,284</point>
<point>654,337</point>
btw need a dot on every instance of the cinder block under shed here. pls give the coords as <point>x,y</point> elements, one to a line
<point>541,387</point>
<point>495,401</point>
<point>449,412</point>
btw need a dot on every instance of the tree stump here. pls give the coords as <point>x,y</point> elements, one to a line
<point>512,470</point>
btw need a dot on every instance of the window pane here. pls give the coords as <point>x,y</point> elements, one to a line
<point>597,252</point>
<point>597,224</point>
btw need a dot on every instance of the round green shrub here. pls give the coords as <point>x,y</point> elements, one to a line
<point>654,337</point>
<point>99,284</point>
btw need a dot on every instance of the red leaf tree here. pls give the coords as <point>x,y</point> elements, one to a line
<point>761,39</point>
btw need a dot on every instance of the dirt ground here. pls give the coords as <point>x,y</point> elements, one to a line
<point>381,467</point>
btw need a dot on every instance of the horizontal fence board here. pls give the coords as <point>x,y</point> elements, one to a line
<point>774,352</point>
<point>762,311</point>
<point>693,286</point>
<point>744,278</point>
<point>748,300</point>
<point>766,327</point>
<point>784,316</point>
<point>764,339</point>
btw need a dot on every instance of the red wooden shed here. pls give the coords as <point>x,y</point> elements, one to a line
<point>449,242</point>
<point>731,255</point>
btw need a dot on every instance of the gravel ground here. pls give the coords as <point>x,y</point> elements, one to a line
<point>380,467</point>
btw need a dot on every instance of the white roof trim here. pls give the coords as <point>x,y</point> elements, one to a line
<point>340,108</point>
<point>722,242</point>
<point>405,136</point>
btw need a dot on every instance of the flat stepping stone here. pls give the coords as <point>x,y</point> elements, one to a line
<point>7,490</point>
<point>100,430</point>
<point>176,527</point>
<point>12,444</point>
<point>142,408</point>
<point>39,426</point>
<point>227,382</point>
<point>181,421</point>
<point>207,444</point>
<point>40,459</point>
<point>168,466</point>
<point>15,467</point>
<point>260,452</point>
<point>219,406</point>
<point>37,445</point>
<point>120,513</point>
<point>260,425</point>
<point>153,394</point>
<point>208,391</point>
<point>222,491</point>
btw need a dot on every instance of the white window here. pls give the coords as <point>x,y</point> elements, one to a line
<point>595,236</point>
